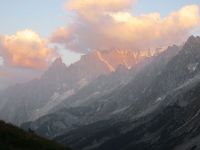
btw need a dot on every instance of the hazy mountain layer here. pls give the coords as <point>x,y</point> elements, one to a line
<point>165,116</point>
<point>31,100</point>
<point>103,98</point>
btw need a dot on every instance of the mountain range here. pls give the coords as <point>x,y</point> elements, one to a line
<point>29,101</point>
<point>165,116</point>
<point>118,99</point>
<point>100,99</point>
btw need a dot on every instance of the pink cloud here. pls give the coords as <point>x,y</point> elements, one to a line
<point>26,49</point>
<point>109,24</point>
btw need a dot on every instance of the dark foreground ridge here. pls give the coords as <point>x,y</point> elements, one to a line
<point>14,138</point>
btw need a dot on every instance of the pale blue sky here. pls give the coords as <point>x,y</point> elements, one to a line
<point>44,16</point>
<point>162,6</point>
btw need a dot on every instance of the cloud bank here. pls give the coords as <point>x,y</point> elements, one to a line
<point>110,24</point>
<point>26,49</point>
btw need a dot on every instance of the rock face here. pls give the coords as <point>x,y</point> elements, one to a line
<point>171,126</point>
<point>152,105</point>
<point>80,108</point>
<point>36,98</point>
<point>103,98</point>
<point>163,115</point>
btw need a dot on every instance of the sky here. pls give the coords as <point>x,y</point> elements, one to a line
<point>41,16</point>
<point>33,32</point>
<point>38,15</point>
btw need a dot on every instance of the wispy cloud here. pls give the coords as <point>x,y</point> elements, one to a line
<point>109,24</point>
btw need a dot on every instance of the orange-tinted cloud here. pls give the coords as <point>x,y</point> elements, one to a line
<point>109,24</point>
<point>26,49</point>
<point>61,33</point>
<point>91,9</point>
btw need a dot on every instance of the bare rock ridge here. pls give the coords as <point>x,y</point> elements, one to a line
<point>165,115</point>
<point>102,98</point>
<point>37,97</point>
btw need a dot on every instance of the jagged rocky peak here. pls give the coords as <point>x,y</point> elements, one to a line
<point>58,61</point>
<point>113,58</point>
<point>193,39</point>
<point>57,67</point>
<point>192,45</point>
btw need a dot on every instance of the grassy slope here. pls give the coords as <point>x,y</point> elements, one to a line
<point>13,138</point>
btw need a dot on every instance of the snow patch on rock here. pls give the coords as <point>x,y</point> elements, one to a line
<point>192,67</point>
<point>55,100</point>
